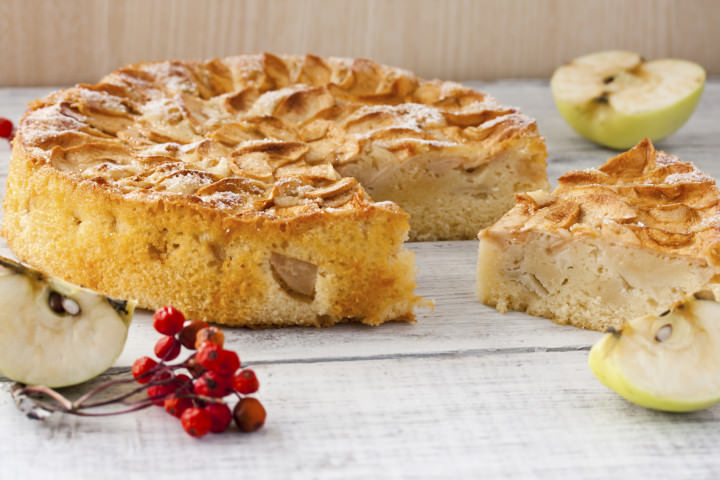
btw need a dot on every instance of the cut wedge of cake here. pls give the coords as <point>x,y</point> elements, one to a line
<point>253,190</point>
<point>607,245</point>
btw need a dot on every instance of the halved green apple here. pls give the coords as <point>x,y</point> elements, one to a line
<point>616,99</point>
<point>54,333</point>
<point>667,362</point>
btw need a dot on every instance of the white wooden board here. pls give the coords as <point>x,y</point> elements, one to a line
<point>464,392</point>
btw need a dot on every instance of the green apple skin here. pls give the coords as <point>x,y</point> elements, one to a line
<point>603,365</point>
<point>602,125</point>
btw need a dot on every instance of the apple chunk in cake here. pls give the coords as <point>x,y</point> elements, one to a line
<point>609,244</point>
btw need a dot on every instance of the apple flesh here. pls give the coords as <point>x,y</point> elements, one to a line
<point>668,362</point>
<point>616,99</point>
<point>54,333</point>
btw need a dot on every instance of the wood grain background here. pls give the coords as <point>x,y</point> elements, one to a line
<point>52,42</point>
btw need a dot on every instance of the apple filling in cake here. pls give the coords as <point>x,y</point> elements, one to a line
<point>261,190</point>
<point>608,245</point>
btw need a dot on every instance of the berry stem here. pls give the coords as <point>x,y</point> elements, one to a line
<point>138,406</point>
<point>204,398</point>
<point>120,398</point>
<point>65,404</point>
<point>101,388</point>
<point>76,407</point>
<point>80,402</point>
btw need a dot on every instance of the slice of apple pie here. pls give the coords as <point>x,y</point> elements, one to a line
<point>607,245</point>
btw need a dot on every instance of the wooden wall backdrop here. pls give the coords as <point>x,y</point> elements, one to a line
<point>52,42</point>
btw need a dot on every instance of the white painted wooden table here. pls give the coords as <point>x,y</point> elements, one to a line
<point>463,393</point>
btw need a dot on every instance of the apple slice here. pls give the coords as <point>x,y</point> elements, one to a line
<point>616,99</point>
<point>667,362</point>
<point>54,333</point>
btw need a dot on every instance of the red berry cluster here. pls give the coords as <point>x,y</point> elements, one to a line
<point>197,397</point>
<point>6,129</point>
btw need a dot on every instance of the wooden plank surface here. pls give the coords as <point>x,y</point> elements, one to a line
<point>464,392</point>
<point>503,415</point>
<point>53,41</point>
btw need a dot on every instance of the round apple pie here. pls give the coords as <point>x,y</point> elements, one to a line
<point>261,190</point>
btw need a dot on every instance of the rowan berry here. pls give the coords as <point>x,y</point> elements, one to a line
<point>196,421</point>
<point>158,393</point>
<point>194,367</point>
<point>220,416</point>
<point>209,356</point>
<point>249,414</point>
<point>175,406</point>
<point>167,348</point>
<point>212,384</point>
<point>211,335</point>
<point>183,380</point>
<point>188,333</point>
<point>228,362</point>
<point>142,369</point>
<point>246,382</point>
<point>6,128</point>
<point>168,320</point>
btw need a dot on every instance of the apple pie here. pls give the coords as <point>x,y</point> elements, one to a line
<point>625,240</point>
<point>261,190</point>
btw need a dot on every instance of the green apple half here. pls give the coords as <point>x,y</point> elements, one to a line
<point>54,333</point>
<point>668,362</point>
<point>616,99</point>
